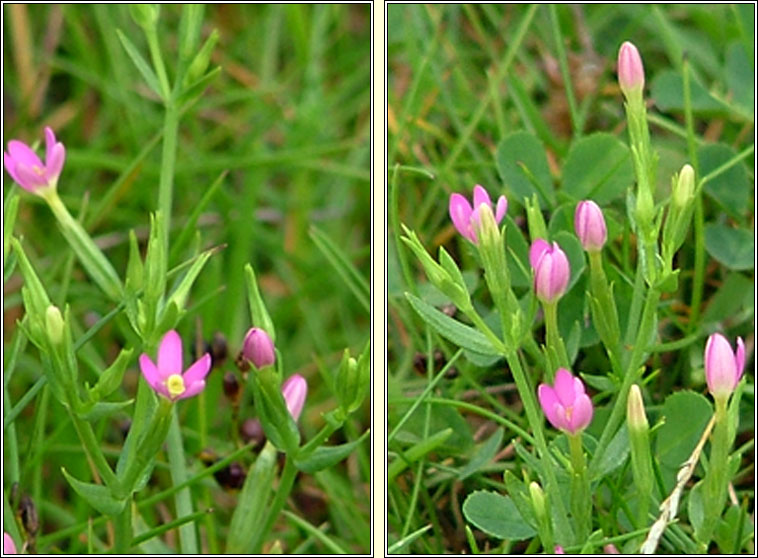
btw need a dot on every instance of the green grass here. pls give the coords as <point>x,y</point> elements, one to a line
<point>277,144</point>
<point>461,78</point>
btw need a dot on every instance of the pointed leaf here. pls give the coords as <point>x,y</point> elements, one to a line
<point>144,68</point>
<point>96,495</point>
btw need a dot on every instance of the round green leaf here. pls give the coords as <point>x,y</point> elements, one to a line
<point>731,188</point>
<point>732,247</point>
<point>598,167</point>
<point>522,164</point>
<point>686,414</point>
<point>667,90</point>
<point>496,515</point>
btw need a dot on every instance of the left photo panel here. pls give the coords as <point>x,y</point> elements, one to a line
<point>187,279</point>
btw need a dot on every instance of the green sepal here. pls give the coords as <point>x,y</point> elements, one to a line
<point>200,63</point>
<point>112,377</point>
<point>258,311</point>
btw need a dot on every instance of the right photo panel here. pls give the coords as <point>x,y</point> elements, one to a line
<point>570,279</point>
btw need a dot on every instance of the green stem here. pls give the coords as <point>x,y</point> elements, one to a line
<point>535,422</point>
<point>157,58</point>
<point>716,481</point>
<point>641,345</point>
<point>555,348</point>
<point>168,162</point>
<point>581,501</point>
<point>484,328</point>
<point>282,492</point>
<point>92,449</point>
<point>122,530</point>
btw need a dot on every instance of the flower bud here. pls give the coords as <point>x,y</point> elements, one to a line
<point>635,411</point>
<point>538,498</point>
<point>589,225</point>
<point>723,369</point>
<point>294,390</point>
<point>54,324</point>
<point>684,188</point>
<point>551,270</point>
<point>631,74</point>
<point>258,348</point>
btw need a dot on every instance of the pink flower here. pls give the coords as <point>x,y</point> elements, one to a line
<point>26,168</point>
<point>466,218</point>
<point>559,549</point>
<point>723,369</point>
<point>258,348</point>
<point>9,547</point>
<point>551,270</point>
<point>294,390</point>
<point>167,378</point>
<point>566,405</point>
<point>589,225</point>
<point>630,71</point>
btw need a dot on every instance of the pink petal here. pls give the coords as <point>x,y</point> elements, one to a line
<point>22,153</point>
<point>549,403</point>
<point>460,213</point>
<point>481,197</point>
<point>9,547</point>
<point>49,143</point>
<point>198,371</point>
<point>581,415</point>
<point>163,390</point>
<point>170,355</point>
<point>10,166</point>
<point>295,390</point>
<point>28,178</point>
<point>502,207</point>
<point>55,160</point>
<point>564,387</point>
<point>720,364</point>
<point>149,371</point>
<point>193,389</point>
<point>538,248</point>
<point>739,359</point>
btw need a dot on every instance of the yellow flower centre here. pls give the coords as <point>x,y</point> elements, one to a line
<point>175,385</point>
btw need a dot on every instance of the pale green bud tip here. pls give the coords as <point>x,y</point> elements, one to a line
<point>144,15</point>
<point>54,324</point>
<point>538,498</point>
<point>684,190</point>
<point>635,410</point>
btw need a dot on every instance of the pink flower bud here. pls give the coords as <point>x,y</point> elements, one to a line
<point>294,390</point>
<point>258,348</point>
<point>610,549</point>
<point>565,404</point>
<point>9,547</point>
<point>589,225</point>
<point>559,549</point>
<point>551,270</point>
<point>466,218</point>
<point>723,369</point>
<point>630,71</point>
<point>26,168</point>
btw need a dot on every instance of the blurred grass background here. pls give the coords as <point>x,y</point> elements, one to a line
<point>288,121</point>
<point>461,78</point>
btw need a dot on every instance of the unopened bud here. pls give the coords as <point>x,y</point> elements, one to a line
<point>684,188</point>
<point>294,390</point>
<point>231,387</point>
<point>635,410</point>
<point>258,348</point>
<point>630,70</point>
<point>54,324</point>
<point>538,498</point>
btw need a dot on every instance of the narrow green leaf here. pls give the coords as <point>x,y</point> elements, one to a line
<point>415,453</point>
<point>326,456</point>
<point>141,64</point>
<point>357,284</point>
<point>460,334</point>
<point>96,495</point>
<point>484,453</point>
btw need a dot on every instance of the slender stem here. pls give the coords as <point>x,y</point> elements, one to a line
<point>581,501</point>
<point>630,375</point>
<point>716,481</point>
<point>282,492</point>
<point>122,530</point>
<point>576,119</point>
<point>168,162</point>
<point>160,67</point>
<point>555,347</point>
<point>92,449</point>
<point>183,498</point>
<point>485,329</point>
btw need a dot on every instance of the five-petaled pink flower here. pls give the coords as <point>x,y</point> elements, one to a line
<point>551,270</point>
<point>26,168</point>
<point>466,218</point>
<point>723,369</point>
<point>294,390</point>
<point>565,404</point>
<point>167,378</point>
